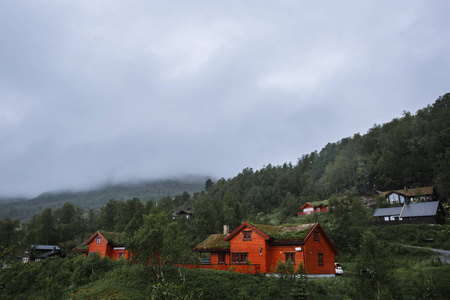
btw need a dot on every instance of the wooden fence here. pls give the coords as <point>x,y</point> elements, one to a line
<point>241,268</point>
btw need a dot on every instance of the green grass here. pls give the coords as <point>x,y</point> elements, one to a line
<point>415,235</point>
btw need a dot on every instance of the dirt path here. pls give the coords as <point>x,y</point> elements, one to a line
<point>443,254</point>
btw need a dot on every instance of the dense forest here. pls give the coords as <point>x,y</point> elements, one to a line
<point>411,151</point>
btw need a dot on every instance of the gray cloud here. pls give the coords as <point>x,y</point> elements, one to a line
<point>95,91</point>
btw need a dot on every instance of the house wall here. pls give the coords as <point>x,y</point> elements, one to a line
<point>311,251</point>
<point>114,254</point>
<point>416,220</point>
<point>253,247</point>
<point>271,253</point>
<point>277,254</point>
<point>214,260</point>
<point>309,209</point>
<point>101,249</point>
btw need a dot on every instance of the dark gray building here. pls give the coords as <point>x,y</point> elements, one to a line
<point>424,212</point>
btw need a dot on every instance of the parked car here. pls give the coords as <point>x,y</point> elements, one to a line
<point>338,269</point>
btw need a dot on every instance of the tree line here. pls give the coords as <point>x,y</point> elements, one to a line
<point>411,151</point>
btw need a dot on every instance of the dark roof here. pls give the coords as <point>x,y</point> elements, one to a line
<point>214,242</point>
<point>388,211</point>
<point>422,191</point>
<point>422,209</point>
<point>45,247</point>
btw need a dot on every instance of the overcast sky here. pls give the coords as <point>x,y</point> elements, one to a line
<point>109,90</point>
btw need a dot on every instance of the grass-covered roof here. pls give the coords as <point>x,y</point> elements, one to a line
<point>317,203</point>
<point>214,242</point>
<point>286,232</point>
<point>114,237</point>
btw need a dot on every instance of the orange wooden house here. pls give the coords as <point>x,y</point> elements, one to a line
<point>106,244</point>
<point>313,207</point>
<point>264,246</point>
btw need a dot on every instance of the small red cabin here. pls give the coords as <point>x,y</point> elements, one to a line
<point>266,245</point>
<point>107,244</point>
<point>313,207</point>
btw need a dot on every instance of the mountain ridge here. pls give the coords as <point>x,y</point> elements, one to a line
<point>94,198</point>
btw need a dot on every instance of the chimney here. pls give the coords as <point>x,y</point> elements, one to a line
<point>226,229</point>
<point>405,188</point>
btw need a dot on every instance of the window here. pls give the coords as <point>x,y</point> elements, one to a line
<point>386,218</point>
<point>98,240</point>
<point>222,257</point>
<point>289,256</point>
<point>320,259</point>
<point>316,236</point>
<point>247,235</point>
<point>239,258</point>
<point>392,218</point>
<point>121,255</point>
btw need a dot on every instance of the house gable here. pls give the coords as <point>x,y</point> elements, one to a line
<point>251,227</point>
<point>97,244</point>
<point>95,235</point>
<point>104,244</point>
<point>323,234</point>
<point>319,252</point>
<point>249,244</point>
<point>409,195</point>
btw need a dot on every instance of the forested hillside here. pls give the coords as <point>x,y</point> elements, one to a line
<point>411,151</point>
<point>94,199</point>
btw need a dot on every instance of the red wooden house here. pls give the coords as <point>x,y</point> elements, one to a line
<point>313,207</point>
<point>265,246</point>
<point>107,244</point>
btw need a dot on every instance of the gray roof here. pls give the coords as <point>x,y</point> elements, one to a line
<point>422,209</point>
<point>388,211</point>
<point>45,247</point>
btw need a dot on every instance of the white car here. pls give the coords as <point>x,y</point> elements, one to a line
<point>338,269</point>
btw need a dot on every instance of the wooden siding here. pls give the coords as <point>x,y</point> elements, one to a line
<point>101,249</point>
<point>277,254</point>
<point>105,249</point>
<point>311,255</point>
<point>315,209</point>
<point>214,259</point>
<point>253,247</point>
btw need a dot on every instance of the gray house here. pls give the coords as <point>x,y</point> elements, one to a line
<point>39,252</point>
<point>424,212</point>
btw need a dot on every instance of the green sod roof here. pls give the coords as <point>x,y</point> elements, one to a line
<point>317,203</point>
<point>286,232</point>
<point>214,242</point>
<point>114,237</point>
